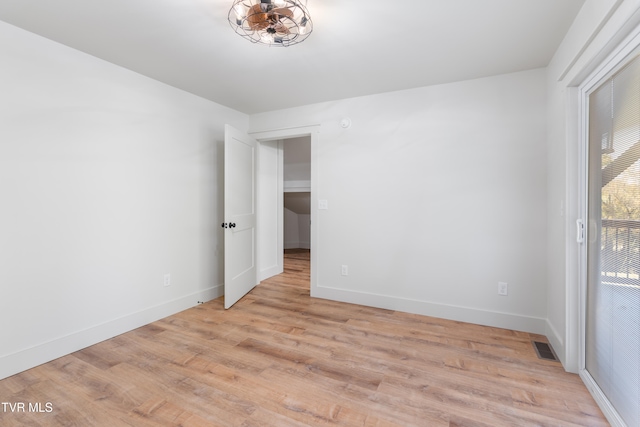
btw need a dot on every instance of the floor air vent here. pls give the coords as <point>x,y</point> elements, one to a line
<point>544,351</point>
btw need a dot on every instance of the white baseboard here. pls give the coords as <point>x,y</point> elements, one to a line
<point>270,272</point>
<point>31,357</point>
<point>557,343</point>
<point>297,245</point>
<point>494,319</point>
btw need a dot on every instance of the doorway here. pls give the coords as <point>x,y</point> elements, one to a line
<point>297,207</point>
<point>297,198</point>
<point>612,306</point>
<point>301,185</point>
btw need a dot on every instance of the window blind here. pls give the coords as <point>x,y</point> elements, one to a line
<point>612,345</point>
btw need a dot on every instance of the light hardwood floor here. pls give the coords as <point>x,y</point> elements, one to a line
<point>279,358</point>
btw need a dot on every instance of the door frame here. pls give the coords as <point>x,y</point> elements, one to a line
<point>313,132</point>
<point>613,62</point>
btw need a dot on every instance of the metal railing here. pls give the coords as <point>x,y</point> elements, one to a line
<point>620,248</point>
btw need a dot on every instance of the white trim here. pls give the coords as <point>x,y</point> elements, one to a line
<point>297,245</point>
<point>570,355</point>
<point>582,211</point>
<point>603,403</point>
<point>627,14</point>
<point>28,358</point>
<point>556,341</point>
<point>613,62</point>
<point>312,131</point>
<point>297,186</point>
<point>285,133</point>
<point>628,17</point>
<point>588,42</point>
<point>274,270</point>
<point>277,268</point>
<point>535,325</point>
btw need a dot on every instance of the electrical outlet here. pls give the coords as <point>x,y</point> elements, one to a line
<point>167,279</point>
<point>503,288</point>
<point>345,270</point>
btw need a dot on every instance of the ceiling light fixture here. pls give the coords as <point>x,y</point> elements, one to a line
<point>271,22</point>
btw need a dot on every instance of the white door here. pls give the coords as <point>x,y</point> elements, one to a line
<point>240,272</point>
<point>612,342</point>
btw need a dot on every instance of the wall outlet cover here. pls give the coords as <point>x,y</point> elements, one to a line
<point>503,288</point>
<point>345,270</point>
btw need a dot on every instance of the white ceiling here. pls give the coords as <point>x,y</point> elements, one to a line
<point>358,47</point>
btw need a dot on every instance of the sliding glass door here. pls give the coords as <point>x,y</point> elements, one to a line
<point>612,341</point>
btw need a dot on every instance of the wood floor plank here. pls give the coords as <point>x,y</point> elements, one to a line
<point>185,396</point>
<point>387,408</point>
<point>286,399</point>
<point>279,358</point>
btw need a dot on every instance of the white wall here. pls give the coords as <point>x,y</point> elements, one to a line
<point>304,231</point>
<point>297,230</point>
<point>291,230</point>
<point>435,195</point>
<point>599,27</point>
<point>297,177</point>
<point>297,162</point>
<point>108,180</point>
